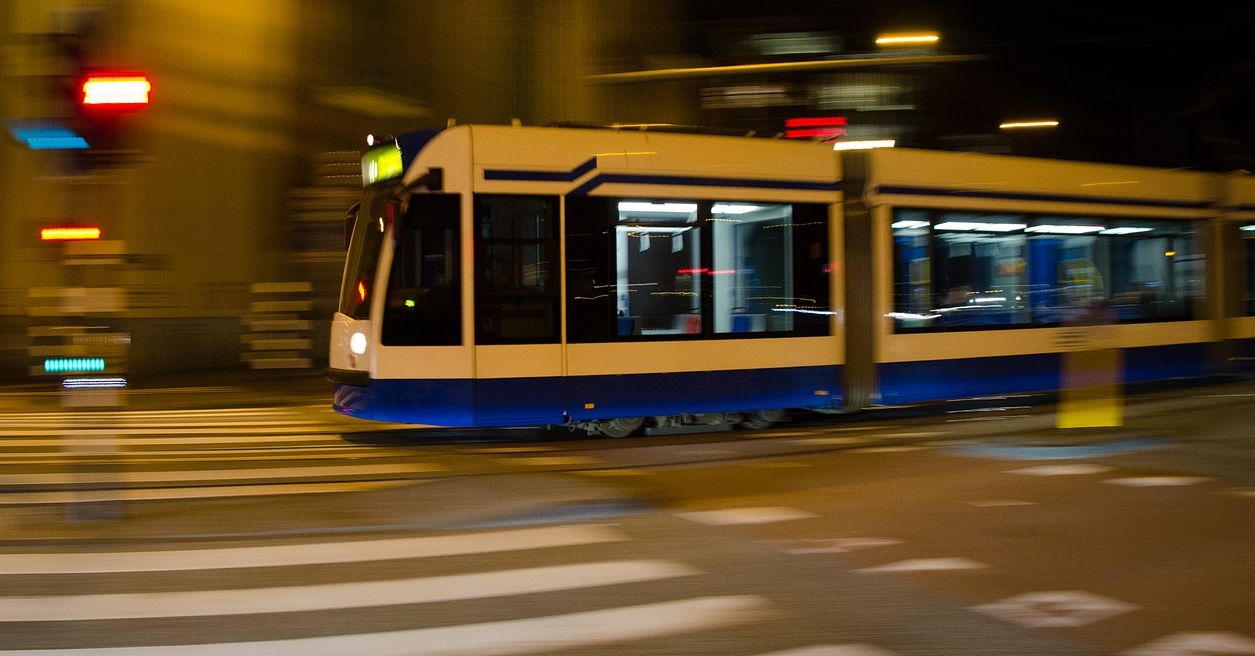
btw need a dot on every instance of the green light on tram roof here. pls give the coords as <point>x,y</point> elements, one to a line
<point>73,365</point>
<point>381,163</point>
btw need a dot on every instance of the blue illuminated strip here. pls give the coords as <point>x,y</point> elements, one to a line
<point>542,176</point>
<point>73,365</point>
<point>1053,198</point>
<point>46,136</point>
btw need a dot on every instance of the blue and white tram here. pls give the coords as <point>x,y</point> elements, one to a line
<point>524,276</point>
<point>605,279</point>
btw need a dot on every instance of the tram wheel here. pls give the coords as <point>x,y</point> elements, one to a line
<point>620,427</point>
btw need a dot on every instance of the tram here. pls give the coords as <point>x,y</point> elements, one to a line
<point>614,279</point>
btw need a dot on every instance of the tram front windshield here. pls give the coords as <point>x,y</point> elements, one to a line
<point>363,259</point>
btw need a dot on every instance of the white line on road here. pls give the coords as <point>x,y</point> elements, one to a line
<point>171,493</point>
<point>1158,481</point>
<point>1055,609</point>
<point>731,516</point>
<point>833,650</point>
<point>925,565</point>
<point>336,596</point>
<point>318,553</point>
<point>220,455</point>
<point>243,428</point>
<point>81,439</point>
<point>1197,644</point>
<point>1078,469</point>
<point>74,478</point>
<point>841,545</point>
<point>526,636</point>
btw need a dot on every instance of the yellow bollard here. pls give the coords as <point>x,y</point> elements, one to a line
<point>1092,390</point>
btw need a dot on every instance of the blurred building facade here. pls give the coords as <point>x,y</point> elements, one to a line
<point>240,170</point>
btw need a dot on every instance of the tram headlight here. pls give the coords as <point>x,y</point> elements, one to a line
<point>357,343</point>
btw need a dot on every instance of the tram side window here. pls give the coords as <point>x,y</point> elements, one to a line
<point>1087,269</point>
<point>770,270</point>
<point>645,269</point>
<point>955,270</point>
<point>516,285</point>
<point>658,268</point>
<point>424,303</point>
<point>978,271</point>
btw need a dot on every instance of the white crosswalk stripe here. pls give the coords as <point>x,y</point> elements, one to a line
<point>68,457</point>
<point>292,599</point>
<point>532,635</point>
<point>318,553</point>
<point>502,621</point>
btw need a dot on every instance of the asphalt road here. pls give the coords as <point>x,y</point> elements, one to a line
<point>217,518</point>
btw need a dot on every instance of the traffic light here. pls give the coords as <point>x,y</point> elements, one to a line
<point>104,99</point>
<point>114,92</point>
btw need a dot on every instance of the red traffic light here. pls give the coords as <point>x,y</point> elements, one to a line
<point>115,91</point>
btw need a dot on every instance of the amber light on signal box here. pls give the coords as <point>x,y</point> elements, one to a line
<point>69,234</point>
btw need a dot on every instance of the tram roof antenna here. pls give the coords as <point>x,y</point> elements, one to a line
<point>450,122</point>
<point>516,123</point>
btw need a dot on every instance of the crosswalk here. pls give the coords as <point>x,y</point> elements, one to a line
<point>583,588</point>
<point>119,455</point>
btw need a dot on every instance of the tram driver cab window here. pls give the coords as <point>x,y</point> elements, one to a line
<point>424,302</point>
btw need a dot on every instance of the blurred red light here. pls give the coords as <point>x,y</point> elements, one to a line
<point>114,90</point>
<point>815,122</point>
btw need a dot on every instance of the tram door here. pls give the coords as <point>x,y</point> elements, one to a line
<point>518,354</point>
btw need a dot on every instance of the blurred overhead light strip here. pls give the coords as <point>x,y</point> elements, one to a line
<point>69,233</point>
<point>907,39</point>
<point>1017,125</point>
<point>781,67</point>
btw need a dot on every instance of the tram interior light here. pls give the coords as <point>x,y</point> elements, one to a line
<point>666,208</point>
<point>1065,229</point>
<point>980,227</point>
